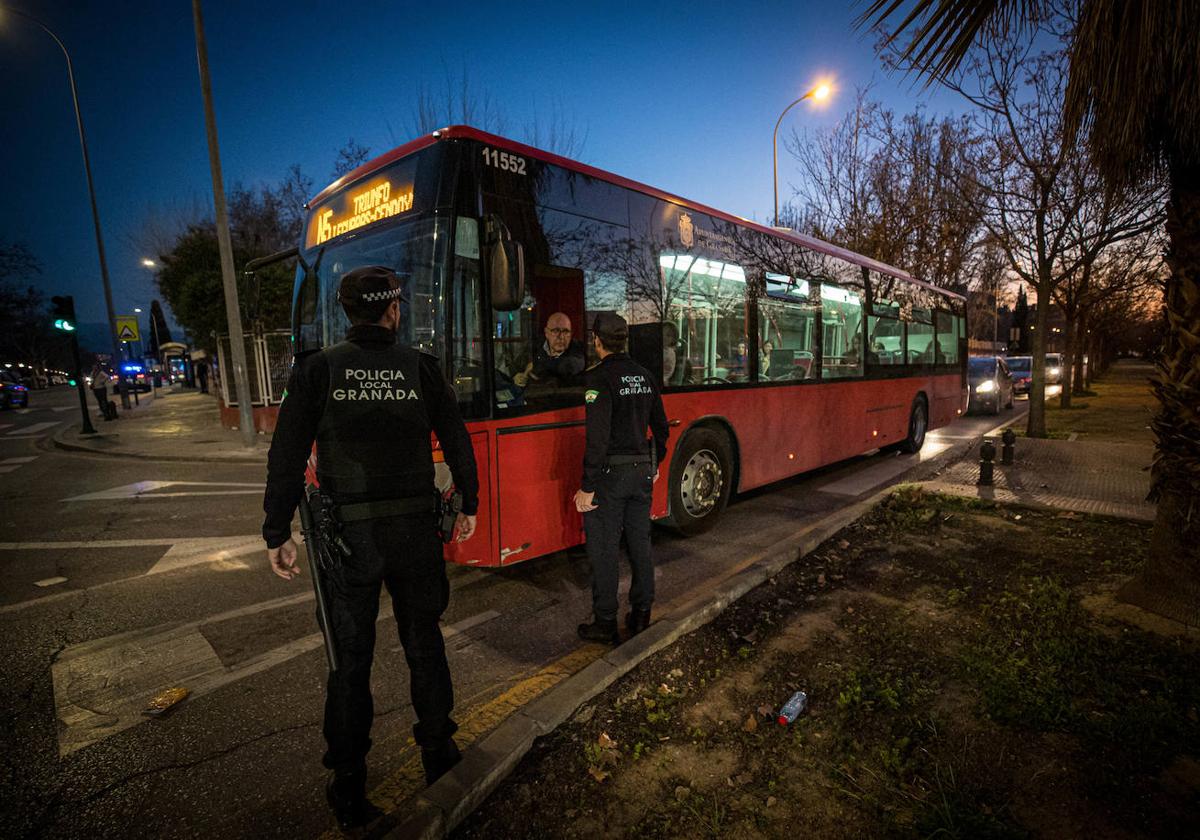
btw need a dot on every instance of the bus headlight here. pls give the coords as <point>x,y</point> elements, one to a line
<point>985,387</point>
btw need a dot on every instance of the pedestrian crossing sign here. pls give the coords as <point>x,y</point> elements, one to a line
<point>127,328</point>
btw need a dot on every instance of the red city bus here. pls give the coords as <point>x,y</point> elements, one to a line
<point>777,353</point>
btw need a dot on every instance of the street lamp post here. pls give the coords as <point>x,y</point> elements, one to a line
<point>817,94</point>
<point>87,168</point>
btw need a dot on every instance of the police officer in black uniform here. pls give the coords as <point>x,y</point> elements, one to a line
<point>370,405</point>
<point>620,466</point>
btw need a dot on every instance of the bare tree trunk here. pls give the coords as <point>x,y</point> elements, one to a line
<point>1169,582</point>
<point>1036,427</point>
<point>1078,385</point>
<point>1064,394</point>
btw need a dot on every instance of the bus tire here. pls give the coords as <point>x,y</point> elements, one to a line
<point>701,480</point>
<point>918,425</point>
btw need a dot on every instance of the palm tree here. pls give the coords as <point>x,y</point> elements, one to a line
<point>1134,96</point>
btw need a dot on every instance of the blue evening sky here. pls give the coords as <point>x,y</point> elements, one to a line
<point>682,96</point>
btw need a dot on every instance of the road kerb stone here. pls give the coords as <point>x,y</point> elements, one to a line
<point>483,767</point>
<point>486,764</point>
<point>422,820</point>
<point>654,638</point>
<point>560,702</point>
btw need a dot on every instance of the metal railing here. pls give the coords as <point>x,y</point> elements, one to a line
<point>269,361</point>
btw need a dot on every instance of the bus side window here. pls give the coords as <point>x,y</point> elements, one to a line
<point>842,331</point>
<point>706,308</point>
<point>787,322</point>
<point>921,346</point>
<point>947,338</point>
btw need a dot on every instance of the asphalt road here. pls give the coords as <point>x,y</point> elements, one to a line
<point>107,597</point>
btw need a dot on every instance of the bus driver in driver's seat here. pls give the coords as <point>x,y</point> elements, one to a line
<point>558,360</point>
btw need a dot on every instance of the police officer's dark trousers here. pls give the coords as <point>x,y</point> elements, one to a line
<point>623,494</point>
<point>405,554</point>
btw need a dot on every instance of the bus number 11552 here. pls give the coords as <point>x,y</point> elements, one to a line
<point>504,160</point>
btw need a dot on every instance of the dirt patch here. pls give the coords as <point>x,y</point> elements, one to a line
<point>966,678</point>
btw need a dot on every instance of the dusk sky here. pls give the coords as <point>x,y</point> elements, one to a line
<point>680,96</point>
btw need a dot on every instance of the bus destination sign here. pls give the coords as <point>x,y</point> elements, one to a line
<point>378,199</point>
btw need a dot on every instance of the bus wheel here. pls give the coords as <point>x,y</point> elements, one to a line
<point>918,424</point>
<point>701,480</point>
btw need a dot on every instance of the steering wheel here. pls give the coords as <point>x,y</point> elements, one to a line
<point>719,379</point>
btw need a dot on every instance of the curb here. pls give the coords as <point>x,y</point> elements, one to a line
<point>60,442</point>
<point>442,806</point>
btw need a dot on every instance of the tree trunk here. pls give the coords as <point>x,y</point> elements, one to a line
<point>1069,343</point>
<point>1169,582</point>
<point>1036,428</point>
<point>1078,384</point>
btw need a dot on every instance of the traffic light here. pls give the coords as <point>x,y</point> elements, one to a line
<point>64,312</point>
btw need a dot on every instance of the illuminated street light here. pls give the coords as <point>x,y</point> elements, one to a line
<point>149,263</point>
<point>87,168</point>
<point>819,93</point>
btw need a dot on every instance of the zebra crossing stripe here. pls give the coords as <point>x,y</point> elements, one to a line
<point>35,429</point>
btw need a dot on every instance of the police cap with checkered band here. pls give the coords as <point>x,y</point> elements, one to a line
<point>370,284</point>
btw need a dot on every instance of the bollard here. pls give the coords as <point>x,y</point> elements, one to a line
<point>1006,452</point>
<point>987,454</point>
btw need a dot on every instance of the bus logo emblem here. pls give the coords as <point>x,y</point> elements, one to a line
<point>686,232</point>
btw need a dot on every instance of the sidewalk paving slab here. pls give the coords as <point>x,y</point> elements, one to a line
<point>1109,479</point>
<point>173,426</point>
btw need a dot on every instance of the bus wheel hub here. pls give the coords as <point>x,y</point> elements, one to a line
<point>701,483</point>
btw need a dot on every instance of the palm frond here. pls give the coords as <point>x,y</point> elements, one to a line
<point>945,29</point>
<point>1134,87</point>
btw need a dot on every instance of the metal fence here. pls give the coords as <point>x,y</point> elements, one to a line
<point>268,362</point>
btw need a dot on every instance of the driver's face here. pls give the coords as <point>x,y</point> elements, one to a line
<point>558,333</point>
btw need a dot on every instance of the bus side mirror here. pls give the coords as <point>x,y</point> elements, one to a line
<point>505,266</point>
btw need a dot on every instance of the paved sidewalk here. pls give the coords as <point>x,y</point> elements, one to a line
<point>176,425</point>
<point>1083,476</point>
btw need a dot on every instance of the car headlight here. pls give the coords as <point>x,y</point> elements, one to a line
<point>1055,371</point>
<point>985,387</point>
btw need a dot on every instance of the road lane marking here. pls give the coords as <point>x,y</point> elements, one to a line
<point>101,686</point>
<point>10,464</point>
<point>146,489</point>
<point>34,430</point>
<point>50,581</point>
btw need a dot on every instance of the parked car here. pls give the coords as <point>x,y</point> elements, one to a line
<point>1054,368</point>
<point>12,393</point>
<point>990,384</point>
<point>1021,368</point>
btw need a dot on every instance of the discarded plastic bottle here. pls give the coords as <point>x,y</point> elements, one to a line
<point>792,708</point>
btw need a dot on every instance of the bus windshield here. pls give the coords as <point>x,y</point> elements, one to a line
<point>409,249</point>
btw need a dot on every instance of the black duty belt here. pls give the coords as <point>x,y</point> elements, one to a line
<point>359,511</point>
<point>622,460</point>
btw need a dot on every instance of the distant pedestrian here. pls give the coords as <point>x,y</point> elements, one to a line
<point>202,375</point>
<point>620,466</point>
<point>99,385</point>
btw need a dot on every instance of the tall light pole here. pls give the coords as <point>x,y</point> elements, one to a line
<point>233,315</point>
<point>817,94</point>
<point>87,168</point>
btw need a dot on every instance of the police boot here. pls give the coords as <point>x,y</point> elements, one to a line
<point>346,792</point>
<point>637,620</point>
<point>600,631</point>
<point>437,761</point>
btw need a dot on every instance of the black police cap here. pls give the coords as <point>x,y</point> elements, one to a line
<point>370,283</point>
<point>610,326</point>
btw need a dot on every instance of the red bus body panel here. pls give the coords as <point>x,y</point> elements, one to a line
<point>777,433</point>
